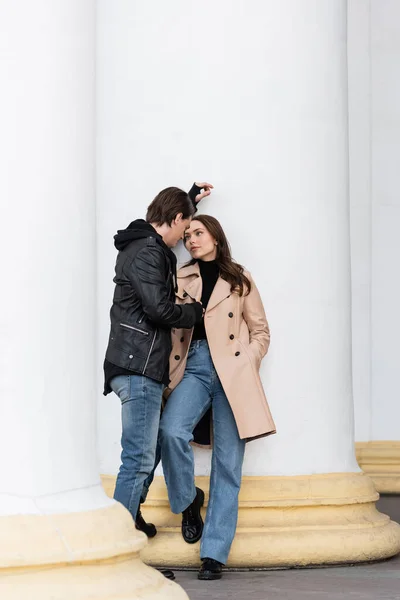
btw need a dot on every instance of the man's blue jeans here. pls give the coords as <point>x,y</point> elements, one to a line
<point>200,389</point>
<point>141,405</point>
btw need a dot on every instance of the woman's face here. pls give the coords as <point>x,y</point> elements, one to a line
<point>199,242</point>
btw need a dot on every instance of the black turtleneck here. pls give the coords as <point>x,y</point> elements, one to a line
<point>209,272</point>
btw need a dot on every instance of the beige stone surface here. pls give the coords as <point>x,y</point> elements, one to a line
<point>284,521</point>
<point>381,462</point>
<point>78,556</point>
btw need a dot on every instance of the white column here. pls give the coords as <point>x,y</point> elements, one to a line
<point>375,242</point>
<point>251,96</point>
<point>385,40</point>
<point>374,126</point>
<point>53,510</point>
<point>360,154</point>
<point>258,106</point>
<point>300,237</point>
<point>47,439</point>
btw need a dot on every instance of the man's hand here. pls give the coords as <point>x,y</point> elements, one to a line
<point>206,187</point>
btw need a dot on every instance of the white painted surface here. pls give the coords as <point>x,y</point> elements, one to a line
<point>259,109</point>
<point>48,457</point>
<point>252,97</point>
<point>359,29</point>
<point>374,109</point>
<point>385,305</point>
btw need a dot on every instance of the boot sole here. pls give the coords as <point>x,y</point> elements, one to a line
<point>168,574</point>
<point>149,534</point>
<point>196,539</point>
<point>209,576</point>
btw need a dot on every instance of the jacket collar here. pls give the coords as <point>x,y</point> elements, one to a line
<point>193,288</point>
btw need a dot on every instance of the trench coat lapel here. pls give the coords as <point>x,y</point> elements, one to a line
<point>193,287</point>
<point>221,291</point>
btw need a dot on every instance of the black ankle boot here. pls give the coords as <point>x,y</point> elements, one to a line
<point>148,528</point>
<point>210,569</point>
<point>167,573</point>
<point>192,523</point>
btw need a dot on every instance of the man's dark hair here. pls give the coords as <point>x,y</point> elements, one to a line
<point>167,204</point>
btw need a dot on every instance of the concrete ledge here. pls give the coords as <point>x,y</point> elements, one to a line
<point>76,556</point>
<point>284,521</point>
<point>381,462</point>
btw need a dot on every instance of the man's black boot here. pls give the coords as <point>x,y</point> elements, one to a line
<point>210,569</point>
<point>148,528</point>
<point>167,573</point>
<point>192,523</point>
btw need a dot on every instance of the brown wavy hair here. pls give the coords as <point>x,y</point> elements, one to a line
<point>229,270</point>
<point>167,204</point>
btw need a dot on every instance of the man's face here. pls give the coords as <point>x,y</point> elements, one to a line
<point>177,230</point>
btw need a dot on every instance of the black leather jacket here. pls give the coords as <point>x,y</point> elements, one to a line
<point>144,309</point>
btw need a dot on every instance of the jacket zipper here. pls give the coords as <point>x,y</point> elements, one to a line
<point>134,329</point>
<point>148,356</point>
<point>141,317</point>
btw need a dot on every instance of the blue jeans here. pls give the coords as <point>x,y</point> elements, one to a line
<point>141,405</point>
<point>199,390</point>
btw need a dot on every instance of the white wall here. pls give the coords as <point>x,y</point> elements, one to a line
<point>374,109</point>
<point>252,97</point>
<point>385,301</point>
<point>360,208</point>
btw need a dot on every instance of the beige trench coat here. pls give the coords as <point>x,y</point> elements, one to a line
<point>238,338</point>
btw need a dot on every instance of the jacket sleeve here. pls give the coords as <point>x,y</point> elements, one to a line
<point>192,193</point>
<point>254,315</point>
<point>148,277</point>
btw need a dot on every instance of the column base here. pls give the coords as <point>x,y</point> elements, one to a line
<point>76,556</point>
<point>381,462</point>
<point>284,522</point>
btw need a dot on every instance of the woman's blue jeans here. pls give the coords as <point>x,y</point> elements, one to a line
<point>199,390</point>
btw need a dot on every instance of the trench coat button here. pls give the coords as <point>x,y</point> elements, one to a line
<point>131,356</point>
<point>231,337</point>
<point>230,315</point>
<point>182,339</point>
<point>184,294</point>
<point>177,357</point>
<point>237,353</point>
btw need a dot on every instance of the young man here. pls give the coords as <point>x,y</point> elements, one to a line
<point>142,315</point>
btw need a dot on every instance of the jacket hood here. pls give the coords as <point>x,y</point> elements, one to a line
<point>140,229</point>
<point>136,230</point>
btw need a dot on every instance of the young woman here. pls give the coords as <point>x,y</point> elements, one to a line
<point>214,365</point>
